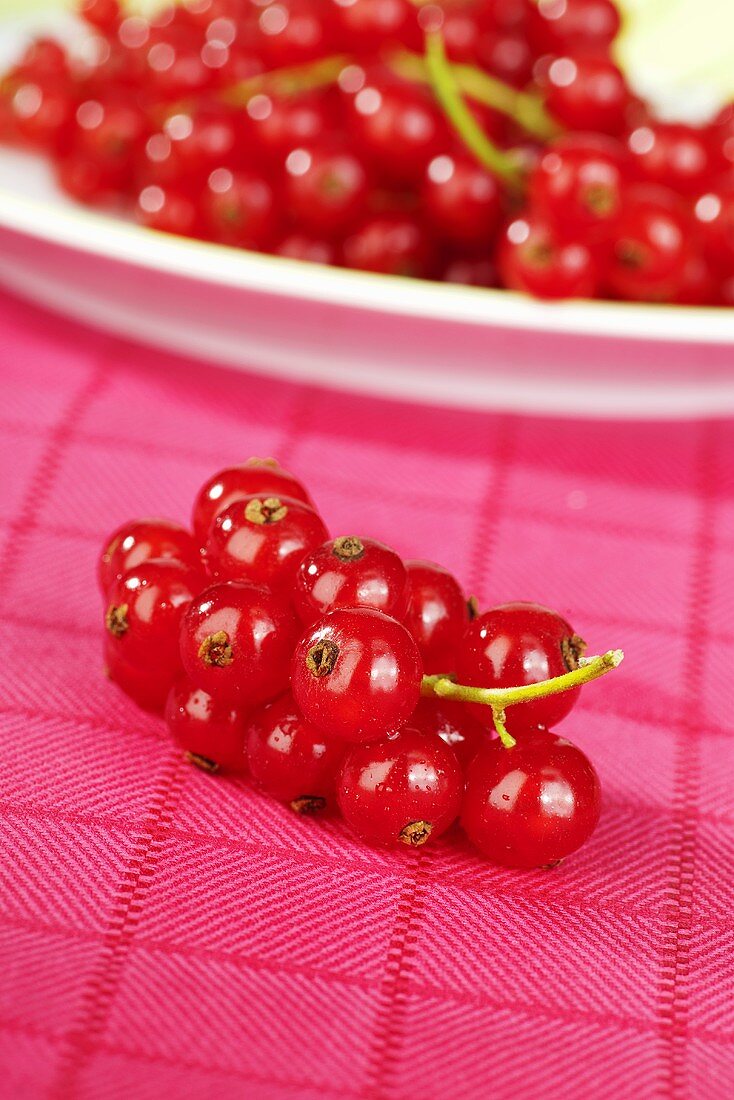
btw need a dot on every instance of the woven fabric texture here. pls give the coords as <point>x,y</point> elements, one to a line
<point>166,934</point>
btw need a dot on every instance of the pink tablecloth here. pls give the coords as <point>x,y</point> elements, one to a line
<point>166,934</point>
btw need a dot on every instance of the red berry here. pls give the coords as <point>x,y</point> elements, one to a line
<point>350,572</point>
<point>587,93</point>
<point>714,214</point>
<point>263,539</point>
<point>438,614</point>
<point>138,541</point>
<point>400,128</point>
<point>110,132</point>
<point>365,26</point>
<point>471,271</point>
<point>279,124</point>
<point>453,723</point>
<point>293,32</point>
<point>298,246</point>
<point>211,732</point>
<point>257,477</point>
<point>145,687</point>
<point>168,210</point>
<point>291,759</point>
<point>144,612</point>
<point>517,644</point>
<point>41,113</point>
<point>105,15</point>
<point>402,790</point>
<point>532,805</point>
<point>506,55</point>
<point>390,244</point>
<point>240,208</point>
<point>578,184</point>
<point>652,244</point>
<point>357,674</point>
<point>557,26</point>
<point>534,258</point>
<point>461,201</point>
<point>326,189</point>
<point>673,155</point>
<point>236,641</point>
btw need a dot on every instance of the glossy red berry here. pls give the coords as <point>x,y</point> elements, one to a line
<point>714,215</point>
<point>279,124</point>
<point>211,733</point>
<point>587,93</point>
<point>293,32</point>
<point>110,132</point>
<point>532,805</point>
<point>326,189</point>
<point>104,15</point>
<point>454,724</point>
<point>652,244</point>
<point>144,686</point>
<point>438,614</point>
<point>400,128</point>
<point>236,642</point>
<point>461,201</point>
<point>364,26</point>
<point>390,244</point>
<point>257,477</point>
<point>138,541</point>
<point>517,644</point>
<point>350,572</point>
<point>263,540</point>
<point>558,26</point>
<point>144,611</point>
<point>673,155</point>
<point>291,759</point>
<point>240,208</point>
<point>300,246</point>
<point>578,183</point>
<point>404,789</point>
<point>357,674</point>
<point>168,210</point>
<point>535,258</point>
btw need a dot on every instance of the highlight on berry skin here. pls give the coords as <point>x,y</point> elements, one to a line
<point>342,681</point>
<point>494,143</point>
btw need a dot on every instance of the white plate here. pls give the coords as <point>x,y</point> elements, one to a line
<point>393,336</point>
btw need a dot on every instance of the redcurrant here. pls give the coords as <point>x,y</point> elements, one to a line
<point>453,723</point>
<point>532,805</point>
<point>236,641</point>
<point>357,674</point>
<point>140,540</point>
<point>438,614</point>
<point>212,733</point>
<point>401,790</point>
<point>263,539</point>
<point>258,476</point>
<point>350,572</point>
<point>517,644</point>
<point>290,758</point>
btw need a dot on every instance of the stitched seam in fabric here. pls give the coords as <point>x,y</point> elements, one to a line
<point>674,1000</point>
<point>41,483</point>
<point>104,980</point>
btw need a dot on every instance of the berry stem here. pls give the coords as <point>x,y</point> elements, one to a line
<point>288,81</point>
<point>499,699</point>
<point>528,111</point>
<point>448,93</point>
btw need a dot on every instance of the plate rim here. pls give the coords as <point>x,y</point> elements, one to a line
<point>116,239</point>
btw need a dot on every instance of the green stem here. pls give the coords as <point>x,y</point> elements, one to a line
<point>448,93</point>
<point>500,698</point>
<point>526,110</point>
<point>288,81</point>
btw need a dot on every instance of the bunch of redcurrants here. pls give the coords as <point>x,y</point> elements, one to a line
<point>327,668</point>
<point>318,130</point>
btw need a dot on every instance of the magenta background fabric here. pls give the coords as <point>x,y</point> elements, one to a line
<point>163,933</point>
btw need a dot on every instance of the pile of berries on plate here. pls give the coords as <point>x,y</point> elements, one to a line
<point>488,142</point>
<point>340,677</point>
